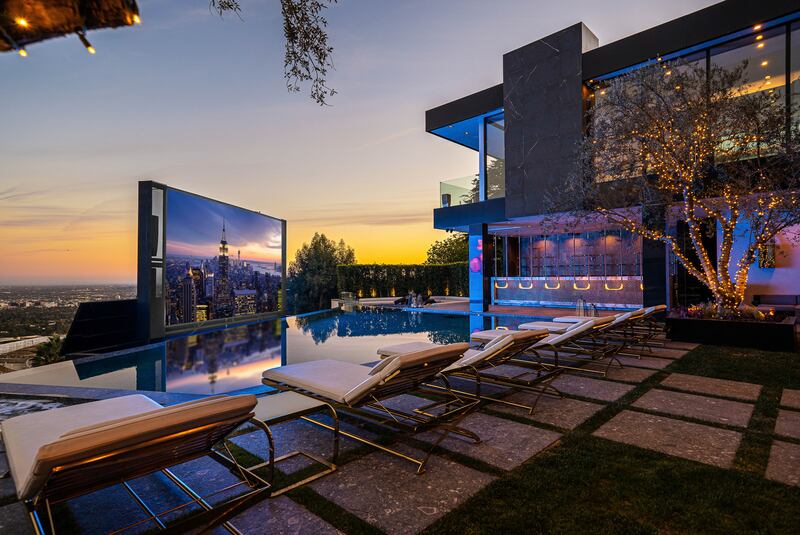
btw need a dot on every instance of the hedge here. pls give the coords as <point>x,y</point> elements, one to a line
<point>394,280</point>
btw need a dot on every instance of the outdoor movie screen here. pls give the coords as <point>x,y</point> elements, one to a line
<point>221,261</point>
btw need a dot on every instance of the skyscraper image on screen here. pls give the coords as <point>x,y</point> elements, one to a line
<point>221,261</point>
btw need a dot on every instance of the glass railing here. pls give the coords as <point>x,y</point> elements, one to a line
<point>458,191</point>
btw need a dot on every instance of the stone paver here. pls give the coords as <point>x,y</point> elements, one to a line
<point>790,398</point>
<point>788,424</point>
<point>627,374</point>
<point>385,490</point>
<point>687,346</point>
<point>561,412</point>
<point>587,387</point>
<point>784,463</point>
<point>297,435</point>
<point>281,516</point>
<point>660,352</point>
<point>504,443</point>
<point>119,510</point>
<point>688,440</point>
<point>653,363</point>
<point>720,411</point>
<point>14,520</point>
<point>715,387</point>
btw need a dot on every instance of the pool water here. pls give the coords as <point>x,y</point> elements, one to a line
<point>233,359</point>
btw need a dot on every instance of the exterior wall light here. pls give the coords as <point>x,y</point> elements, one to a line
<point>556,287</point>
<point>612,289</point>
<point>575,286</point>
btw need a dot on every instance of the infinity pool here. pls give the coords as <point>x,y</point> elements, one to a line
<point>233,359</point>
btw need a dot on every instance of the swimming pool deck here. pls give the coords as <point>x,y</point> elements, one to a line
<point>681,415</point>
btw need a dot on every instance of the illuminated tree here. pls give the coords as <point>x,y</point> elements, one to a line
<point>308,55</point>
<point>677,142</point>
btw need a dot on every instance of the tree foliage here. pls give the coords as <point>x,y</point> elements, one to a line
<point>308,56</point>
<point>677,142</point>
<point>312,274</point>
<point>49,352</point>
<point>453,248</point>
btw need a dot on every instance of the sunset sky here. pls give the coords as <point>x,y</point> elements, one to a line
<point>200,103</point>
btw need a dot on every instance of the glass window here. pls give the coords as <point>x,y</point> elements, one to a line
<point>495,157</point>
<point>765,55</point>
<point>762,56</point>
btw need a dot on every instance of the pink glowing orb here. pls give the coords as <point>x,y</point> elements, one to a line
<point>475,265</point>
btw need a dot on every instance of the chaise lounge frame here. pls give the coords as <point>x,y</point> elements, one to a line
<point>408,379</point>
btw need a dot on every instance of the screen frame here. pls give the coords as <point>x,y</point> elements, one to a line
<point>152,305</point>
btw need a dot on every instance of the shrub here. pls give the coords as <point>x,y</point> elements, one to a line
<point>395,280</point>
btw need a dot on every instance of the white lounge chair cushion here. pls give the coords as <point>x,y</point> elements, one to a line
<point>550,326</point>
<point>475,356</point>
<point>25,435</point>
<point>333,379</point>
<point>558,339</point>
<point>488,335</point>
<point>86,431</point>
<point>405,347</point>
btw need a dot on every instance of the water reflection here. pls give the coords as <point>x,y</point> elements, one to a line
<point>233,359</point>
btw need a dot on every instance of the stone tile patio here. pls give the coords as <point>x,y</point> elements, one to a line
<point>578,385</point>
<point>565,413</point>
<point>788,423</point>
<point>715,410</point>
<point>296,435</point>
<point>627,374</point>
<point>281,516</point>
<point>691,441</point>
<point>686,346</point>
<point>653,363</point>
<point>784,463</point>
<point>386,492</point>
<point>714,387</point>
<point>791,398</point>
<point>504,443</point>
<point>660,352</point>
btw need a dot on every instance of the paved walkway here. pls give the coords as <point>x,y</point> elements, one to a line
<point>695,418</point>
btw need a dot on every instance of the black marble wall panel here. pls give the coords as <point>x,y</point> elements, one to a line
<point>542,86</point>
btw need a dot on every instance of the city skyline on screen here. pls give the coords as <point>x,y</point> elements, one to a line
<point>194,227</point>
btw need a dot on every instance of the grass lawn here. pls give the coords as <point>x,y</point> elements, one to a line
<point>769,368</point>
<point>591,485</point>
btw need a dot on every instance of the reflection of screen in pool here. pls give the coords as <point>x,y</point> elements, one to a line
<point>221,261</point>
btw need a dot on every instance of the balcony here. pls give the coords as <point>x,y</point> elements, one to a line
<point>458,191</point>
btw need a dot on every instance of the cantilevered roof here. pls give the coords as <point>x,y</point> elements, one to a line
<point>23,22</point>
<point>458,121</point>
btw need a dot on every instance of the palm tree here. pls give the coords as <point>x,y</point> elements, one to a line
<point>49,352</point>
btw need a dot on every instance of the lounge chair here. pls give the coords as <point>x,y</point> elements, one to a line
<point>68,452</point>
<point>477,364</point>
<point>365,392</point>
